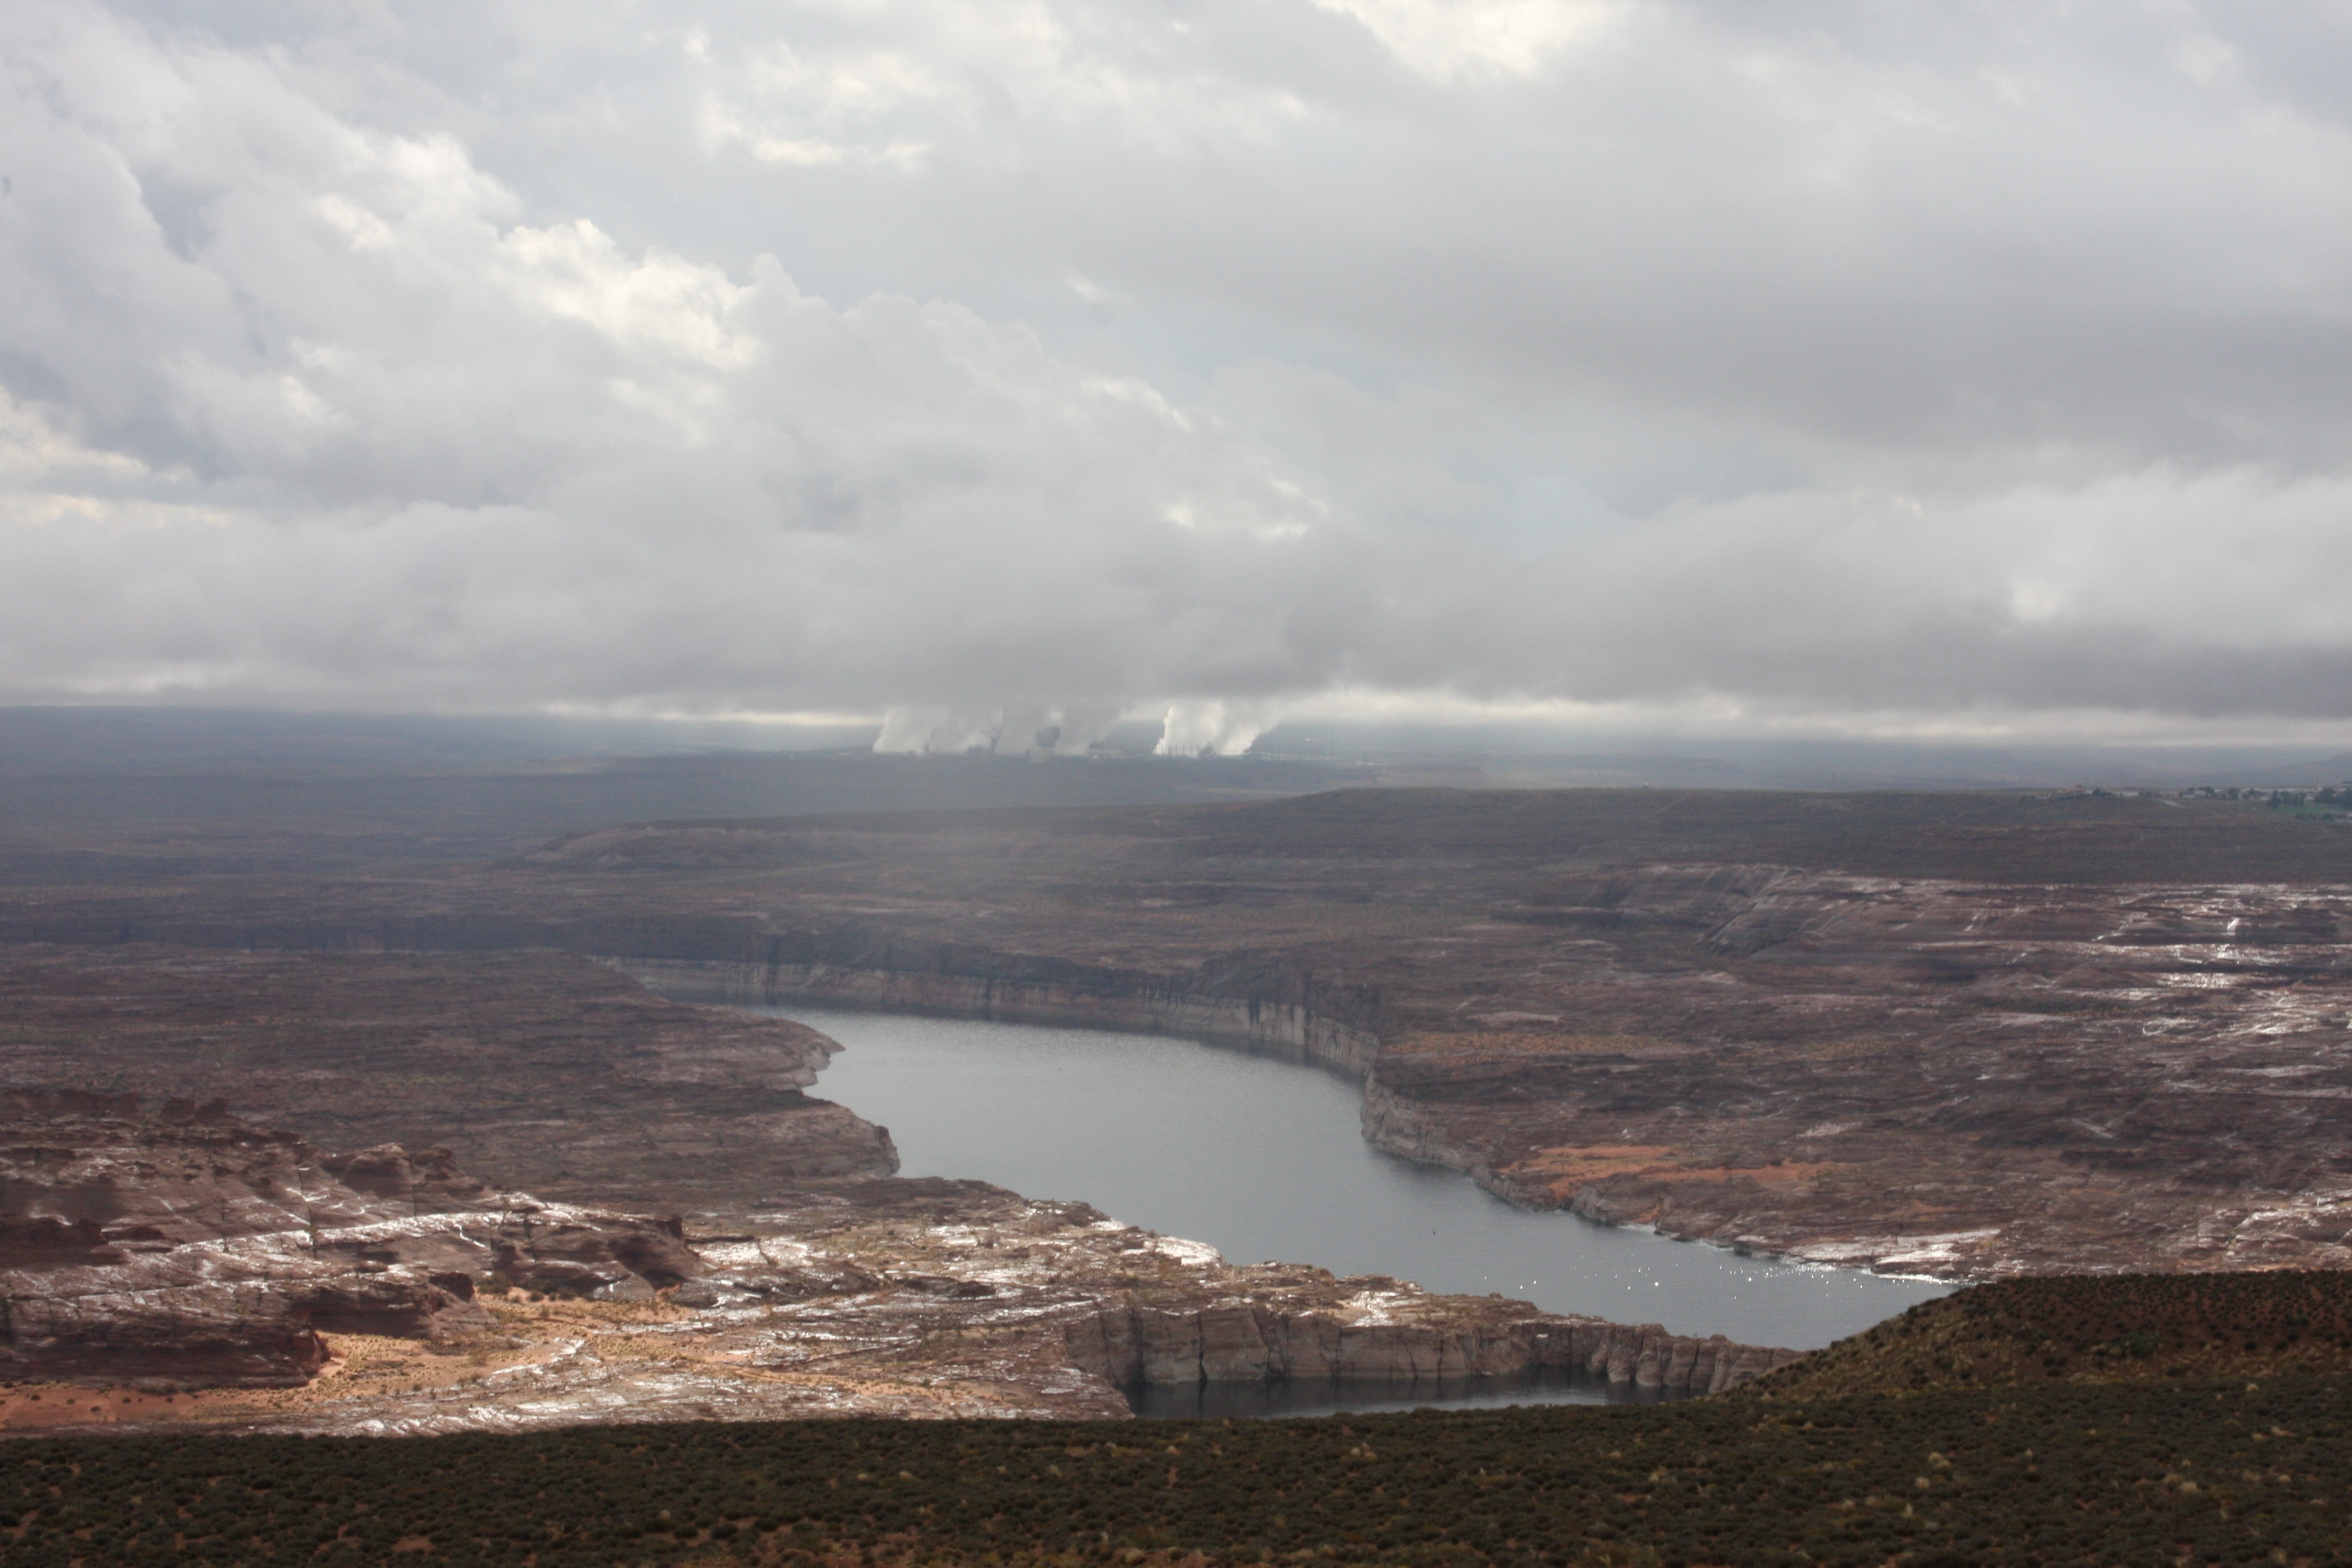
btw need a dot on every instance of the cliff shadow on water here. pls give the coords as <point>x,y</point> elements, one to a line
<point>1303,1397</point>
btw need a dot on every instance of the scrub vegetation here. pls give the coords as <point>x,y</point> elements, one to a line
<point>2079,1328</point>
<point>2124,1454</point>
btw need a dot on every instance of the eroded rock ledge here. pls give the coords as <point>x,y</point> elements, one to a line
<point>1390,1331</point>
<point>962,981</point>
<point>184,1246</point>
<point>202,1271</point>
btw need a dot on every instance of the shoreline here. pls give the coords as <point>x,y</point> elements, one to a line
<point>732,984</point>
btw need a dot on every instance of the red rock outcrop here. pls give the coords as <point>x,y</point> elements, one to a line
<point>188,1246</point>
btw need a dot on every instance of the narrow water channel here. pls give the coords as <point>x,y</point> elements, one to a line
<point>1263,1158</point>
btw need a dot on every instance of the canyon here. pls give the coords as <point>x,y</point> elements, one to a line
<point>203,1274</point>
<point>1965,1035</point>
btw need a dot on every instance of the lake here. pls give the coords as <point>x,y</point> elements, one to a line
<point>1263,1158</point>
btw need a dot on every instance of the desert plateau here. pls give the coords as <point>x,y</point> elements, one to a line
<point>1970,1037</point>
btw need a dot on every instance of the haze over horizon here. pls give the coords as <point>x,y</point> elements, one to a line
<point>1916,374</point>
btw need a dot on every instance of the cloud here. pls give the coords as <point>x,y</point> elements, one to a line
<point>1005,369</point>
<point>1447,39</point>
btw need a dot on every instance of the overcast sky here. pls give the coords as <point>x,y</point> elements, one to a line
<point>1851,368</point>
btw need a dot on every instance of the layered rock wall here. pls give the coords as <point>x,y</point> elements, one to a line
<point>1102,1000</point>
<point>188,1246</point>
<point>198,1318</point>
<point>1246,1341</point>
<point>1407,1127</point>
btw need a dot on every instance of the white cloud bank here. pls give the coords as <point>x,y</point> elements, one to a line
<point>1005,369</point>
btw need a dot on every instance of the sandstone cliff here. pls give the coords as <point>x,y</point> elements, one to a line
<point>1236,1001</point>
<point>188,1246</point>
<point>1243,1341</point>
<point>887,1297</point>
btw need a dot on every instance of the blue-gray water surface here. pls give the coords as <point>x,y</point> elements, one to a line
<point>1263,1158</point>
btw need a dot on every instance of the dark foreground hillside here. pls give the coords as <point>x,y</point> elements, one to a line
<point>2098,1329</point>
<point>2120,1420</point>
<point>2153,1471</point>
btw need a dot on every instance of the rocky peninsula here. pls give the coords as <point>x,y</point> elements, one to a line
<point>166,1264</point>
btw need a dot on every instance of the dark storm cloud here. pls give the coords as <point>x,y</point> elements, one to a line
<point>1008,366</point>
